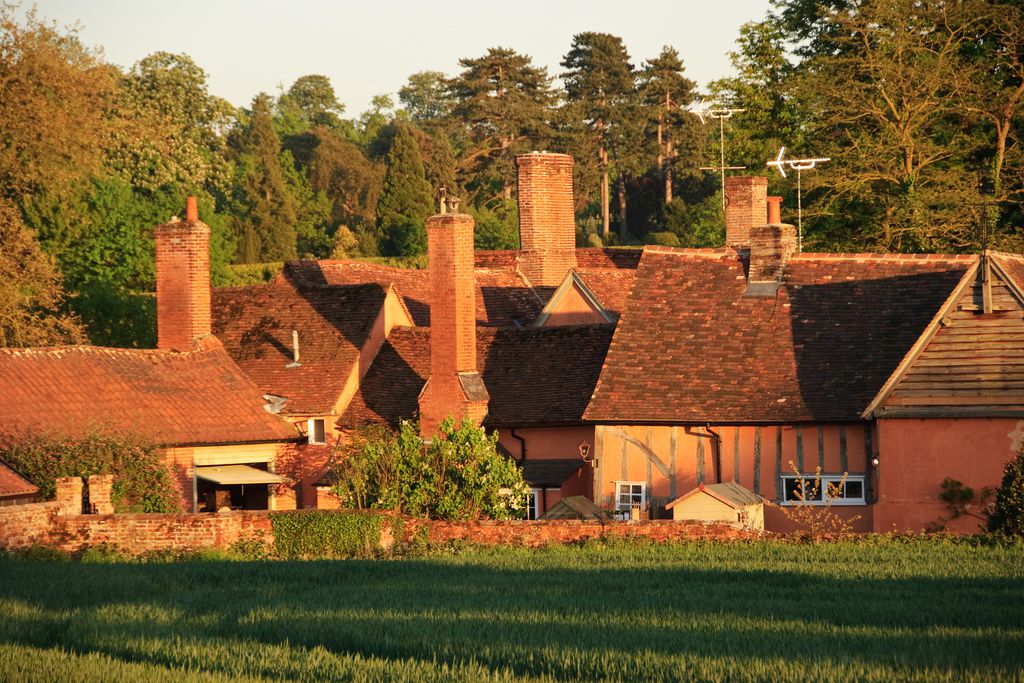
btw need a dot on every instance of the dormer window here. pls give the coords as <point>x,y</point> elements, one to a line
<point>317,430</point>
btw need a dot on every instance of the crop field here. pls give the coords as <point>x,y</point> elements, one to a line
<point>869,611</point>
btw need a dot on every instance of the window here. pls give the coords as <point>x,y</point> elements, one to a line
<point>533,504</point>
<point>833,489</point>
<point>317,430</point>
<point>629,493</point>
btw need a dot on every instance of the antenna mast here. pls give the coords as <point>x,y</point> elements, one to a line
<point>703,112</point>
<point>798,165</point>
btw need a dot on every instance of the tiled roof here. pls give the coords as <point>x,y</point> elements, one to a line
<point>535,376</point>
<point>502,296</point>
<point>1013,265</point>
<point>195,397</point>
<point>691,347</point>
<point>550,472</point>
<point>12,484</point>
<point>333,322</point>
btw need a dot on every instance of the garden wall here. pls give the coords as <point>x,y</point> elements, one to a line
<point>44,524</point>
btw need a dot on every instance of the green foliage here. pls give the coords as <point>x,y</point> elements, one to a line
<point>697,225</point>
<point>665,239</point>
<point>31,295</point>
<point>406,199</point>
<point>325,534</point>
<point>459,475</point>
<point>498,227</point>
<point>262,190</point>
<point>1007,516</point>
<point>249,274</point>
<point>837,610</point>
<point>142,480</point>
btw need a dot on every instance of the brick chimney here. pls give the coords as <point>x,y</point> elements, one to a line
<point>454,388</point>
<point>771,246</point>
<point>745,207</point>
<point>547,219</point>
<point>182,280</point>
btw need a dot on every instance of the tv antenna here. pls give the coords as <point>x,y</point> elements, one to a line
<point>704,112</point>
<point>798,165</point>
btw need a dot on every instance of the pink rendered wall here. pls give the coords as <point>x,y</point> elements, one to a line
<point>673,460</point>
<point>917,454</point>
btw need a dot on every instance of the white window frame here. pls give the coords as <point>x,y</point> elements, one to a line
<point>533,511</point>
<point>311,430</point>
<point>826,479</point>
<point>619,505</point>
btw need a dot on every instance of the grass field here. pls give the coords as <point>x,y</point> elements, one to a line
<point>872,611</point>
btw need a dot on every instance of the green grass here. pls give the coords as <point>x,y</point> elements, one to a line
<point>872,611</point>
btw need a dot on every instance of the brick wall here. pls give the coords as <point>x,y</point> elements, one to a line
<point>182,283</point>
<point>43,524</point>
<point>771,247</point>
<point>746,205</point>
<point>547,220</point>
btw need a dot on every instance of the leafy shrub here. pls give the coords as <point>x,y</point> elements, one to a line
<point>459,475</point>
<point>142,480</point>
<point>664,239</point>
<point>498,227</point>
<point>249,274</point>
<point>304,534</point>
<point>1007,515</point>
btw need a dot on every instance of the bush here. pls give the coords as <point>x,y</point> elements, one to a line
<point>306,534</point>
<point>459,476</point>
<point>1008,513</point>
<point>664,239</point>
<point>142,480</point>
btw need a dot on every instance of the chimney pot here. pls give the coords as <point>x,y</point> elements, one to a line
<point>547,219</point>
<point>774,210</point>
<point>191,209</point>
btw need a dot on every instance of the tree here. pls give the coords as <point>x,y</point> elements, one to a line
<point>313,96</point>
<point>31,295</point>
<point>888,113</point>
<point>53,96</point>
<point>599,81</point>
<point>459,475</point>
<point>425,97</point>
<point>406,199</point>
<point>269,206</point>
<point>1007,515</point>
<point>667,93</point>
<point>504,101</point>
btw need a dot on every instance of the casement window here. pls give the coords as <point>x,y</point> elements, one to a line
<point>833,489</point>
<point>316,430</point>
<point>630,493</point>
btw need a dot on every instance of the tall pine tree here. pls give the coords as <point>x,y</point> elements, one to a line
<point>406,199</point>
<point>599,81</point>
<point>263,190</point>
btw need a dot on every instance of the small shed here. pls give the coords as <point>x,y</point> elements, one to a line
<point>727,502</point>
<point>574,507</point>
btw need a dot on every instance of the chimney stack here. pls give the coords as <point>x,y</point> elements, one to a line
<point>745,207</point>
<point>771,246</point>
<point>182,280</point>
<point>454,388</point>
<point>547,219</point>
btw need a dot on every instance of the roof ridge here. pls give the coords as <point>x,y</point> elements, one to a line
<point>706,252</point>
<point>879,256</point>
<point>90,348</point>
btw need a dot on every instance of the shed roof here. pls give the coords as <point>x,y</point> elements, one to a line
<point>13,484</point>
<point>550,472</point>
<point>730,493</point>
<point>574,507</point>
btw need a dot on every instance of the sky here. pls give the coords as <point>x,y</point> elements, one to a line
<point>371,47</point>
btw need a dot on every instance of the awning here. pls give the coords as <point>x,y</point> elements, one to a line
<point>237,474</point>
